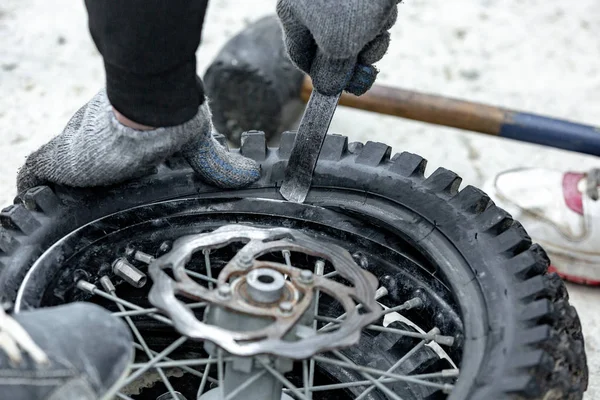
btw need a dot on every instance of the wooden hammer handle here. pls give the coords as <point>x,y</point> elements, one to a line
<point>422,107</point>
<point>472,116</point>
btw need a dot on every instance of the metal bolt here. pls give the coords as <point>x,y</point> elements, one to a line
<point>130,274</point>
<point>143,257</point>
<point>224,290</point>
<point>245,260</point>
<point>286,307</point>
<point>306,276</point>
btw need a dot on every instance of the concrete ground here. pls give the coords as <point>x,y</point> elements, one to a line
<point>537,55</point>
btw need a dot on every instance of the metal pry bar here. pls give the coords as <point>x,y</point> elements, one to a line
<point>307,146</point>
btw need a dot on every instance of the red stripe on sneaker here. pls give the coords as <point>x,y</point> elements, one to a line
<point>571,193</point>
<point>575,279</point>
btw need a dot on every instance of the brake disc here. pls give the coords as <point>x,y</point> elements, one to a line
<point>274,294</point>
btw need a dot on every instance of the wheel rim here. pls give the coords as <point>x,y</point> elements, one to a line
<point>168,220</point>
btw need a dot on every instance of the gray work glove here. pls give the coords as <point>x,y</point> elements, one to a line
<point>336,42</point>
<point>95,149</point>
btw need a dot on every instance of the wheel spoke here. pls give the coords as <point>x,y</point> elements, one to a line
<point>246,383</point>
<point>181,363</point>
<point>154,360</point>
<point>184,367</point>
<point>205,377</point>
<point>158,369</point>
<point>415,302</point>
<point>305,379</point>
<point>93,289</point>
<point>394,367</point>
<point>220,372</point>
<point>110,287</point>
<point>346,385</point>
<point>282,379</point>
<point>380,385</point>
<point>152,310</point>
<point>403,378</point>
<point>447,373</point>
<point>440,339</point>
<point>378,294</point>
<point>331,274</point>
<point>319,269</point>
<point>206,253</point>
<point>287,256</point>
<point>200,276</point>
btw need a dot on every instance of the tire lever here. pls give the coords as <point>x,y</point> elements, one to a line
<point>307,146</point>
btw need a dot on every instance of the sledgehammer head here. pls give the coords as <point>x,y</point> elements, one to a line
<point>252,84</point>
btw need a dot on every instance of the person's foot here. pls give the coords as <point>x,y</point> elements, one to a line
<point>560,211</point>
<point>73,352</point>
<point>97,149</point>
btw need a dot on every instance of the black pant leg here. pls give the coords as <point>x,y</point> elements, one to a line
<point>149,56</point>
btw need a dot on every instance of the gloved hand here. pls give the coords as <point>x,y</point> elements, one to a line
<point>336,42</point>
<point>95,149</point>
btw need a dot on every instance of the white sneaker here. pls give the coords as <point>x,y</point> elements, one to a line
<point>560,211</point>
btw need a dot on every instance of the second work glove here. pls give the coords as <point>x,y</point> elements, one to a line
<point>336,42</point>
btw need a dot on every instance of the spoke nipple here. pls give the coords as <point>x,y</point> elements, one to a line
<point>434,331</point>
<point>306,276</point>
<point>224,290</point>
<point>447,389</point>
<point>287,255</point>
<point>431,335</point>
<point>130,274</point>
<point>286,307</point>
<point>443,340</point>
<point>449,373</point>
<point>320,267</point>
<point>143,257</point>
<point>86,286</point>
<point>381,292</point>
<point>107,284</point>
<point>413,303</point>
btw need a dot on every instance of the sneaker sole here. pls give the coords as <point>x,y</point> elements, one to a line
<point>571,269</point>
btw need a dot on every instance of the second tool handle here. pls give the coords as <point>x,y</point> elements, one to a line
<point>307,146</point>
